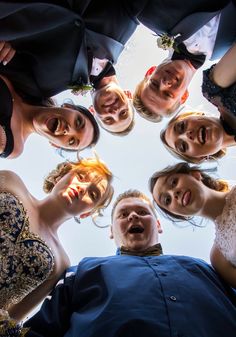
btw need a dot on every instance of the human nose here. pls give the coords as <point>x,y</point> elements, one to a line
<point>190,134</point>
<point>177,194</point>
<point>132,216</point>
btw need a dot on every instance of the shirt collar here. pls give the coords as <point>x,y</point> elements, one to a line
<point>155,250</point>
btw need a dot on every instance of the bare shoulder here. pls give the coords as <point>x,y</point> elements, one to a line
<point>11,182</point>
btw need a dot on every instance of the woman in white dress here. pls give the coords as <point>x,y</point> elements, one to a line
<point>182,192</point>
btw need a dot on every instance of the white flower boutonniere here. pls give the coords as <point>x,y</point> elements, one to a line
<point>166,41</point>
<point>82,89</point>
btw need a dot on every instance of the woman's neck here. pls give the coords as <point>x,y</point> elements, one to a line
<point>214,204</point>
<point>50,214</point>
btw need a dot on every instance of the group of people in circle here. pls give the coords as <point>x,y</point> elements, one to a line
<point>32,257</point>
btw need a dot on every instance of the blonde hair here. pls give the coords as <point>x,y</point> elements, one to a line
<point>132,194</point>
<point>184,168</point>
<point>87,164</point>
<point>143,111</point>
<point>178,155</point>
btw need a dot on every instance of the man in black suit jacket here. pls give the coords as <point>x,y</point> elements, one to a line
<point>164,88</point>
<point>56,42</point>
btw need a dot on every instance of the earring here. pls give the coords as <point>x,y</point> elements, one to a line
<point>77,219</point>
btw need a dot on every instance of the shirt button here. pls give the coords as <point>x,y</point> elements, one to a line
<point>163,274</point>
<point>173,298</point>
<point>77,23</point>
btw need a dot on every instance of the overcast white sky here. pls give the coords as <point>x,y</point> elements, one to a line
<point>132,159</point>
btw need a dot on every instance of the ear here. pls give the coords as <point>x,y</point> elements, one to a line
<point>184,97</point>
<point>85,215</point>
<point>128,93</point>
<point>92,110</point>
<point>197,175</point>
<point>54,145</point>
<point>150,71</point>
<point>159,227</point>
<point>111,232</point>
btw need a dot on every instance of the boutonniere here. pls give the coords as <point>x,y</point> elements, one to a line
<point>166,42</point>
<point>80,89</point>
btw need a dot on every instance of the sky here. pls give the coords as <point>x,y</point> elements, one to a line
<point>132,159</point>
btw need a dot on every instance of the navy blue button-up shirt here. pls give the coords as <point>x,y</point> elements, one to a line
<point>131,296</point>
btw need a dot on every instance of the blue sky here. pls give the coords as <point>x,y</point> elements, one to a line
<point>132,159</point>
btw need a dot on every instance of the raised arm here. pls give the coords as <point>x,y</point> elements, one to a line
<point>224,72</point>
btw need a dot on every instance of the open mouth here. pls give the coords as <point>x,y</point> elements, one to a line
<point>202,135</point>
<point>53,124</point>
<point>136,229</point>
<point>186,198</point>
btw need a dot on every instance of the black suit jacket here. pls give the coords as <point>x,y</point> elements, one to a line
<point>52,39</point>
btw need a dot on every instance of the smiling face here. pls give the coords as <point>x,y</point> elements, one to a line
<point>112,108</point>
<point>163,91</point>
<point>65,127</point>
<point>134,224</point>
<point>80,191</point>
<point>195,136</point>
<point>180,194</point>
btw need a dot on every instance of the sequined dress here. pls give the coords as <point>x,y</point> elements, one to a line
<point>223,98</point>
<point>25,259</point>
<point>225,239</point>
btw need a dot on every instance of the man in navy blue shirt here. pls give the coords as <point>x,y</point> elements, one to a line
<point>138,292</point>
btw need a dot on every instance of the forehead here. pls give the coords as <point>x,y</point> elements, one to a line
<point>131,203</point>
<point>153,100</point>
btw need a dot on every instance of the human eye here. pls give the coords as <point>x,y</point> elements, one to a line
<point>108,121</point>
<point>123,214</point>
<point>80,123</point>
<point>168,94</point>
<point>94,194</point>
<point>173,181</point>
<point>181,126</point>
<point>81,176</point>
<point>143,212</point>
<point>182,146</point>
<point>166,199</point>
<point>154,83</point>
<point>123,114</point>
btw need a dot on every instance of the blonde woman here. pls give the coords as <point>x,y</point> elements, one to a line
<point>32,257</point>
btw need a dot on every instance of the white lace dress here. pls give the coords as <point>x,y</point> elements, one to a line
<point>225,239</point>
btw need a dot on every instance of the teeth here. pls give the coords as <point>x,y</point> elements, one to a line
<point>58,125</point>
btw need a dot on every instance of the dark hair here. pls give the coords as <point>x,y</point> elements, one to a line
<point>184,168</point>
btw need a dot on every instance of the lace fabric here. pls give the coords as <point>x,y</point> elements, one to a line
<point>225,239</point>
<point>26,260</point>
<point>220,97</point>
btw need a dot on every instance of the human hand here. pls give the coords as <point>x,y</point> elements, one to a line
<point>7,52</point>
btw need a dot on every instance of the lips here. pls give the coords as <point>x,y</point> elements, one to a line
<point>55,125</point>
<point>186,198</point>
<point>202,135</point>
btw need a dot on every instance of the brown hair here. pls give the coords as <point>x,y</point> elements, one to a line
<point>93,164</point>
<point>132,194</point>
<point>143,111</point>
<point>184,168</point>
<point>178,155</point>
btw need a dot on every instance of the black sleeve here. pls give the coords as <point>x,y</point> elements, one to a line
<point>53,319</point>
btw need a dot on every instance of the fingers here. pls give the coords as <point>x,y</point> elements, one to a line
<point>6,52</point>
